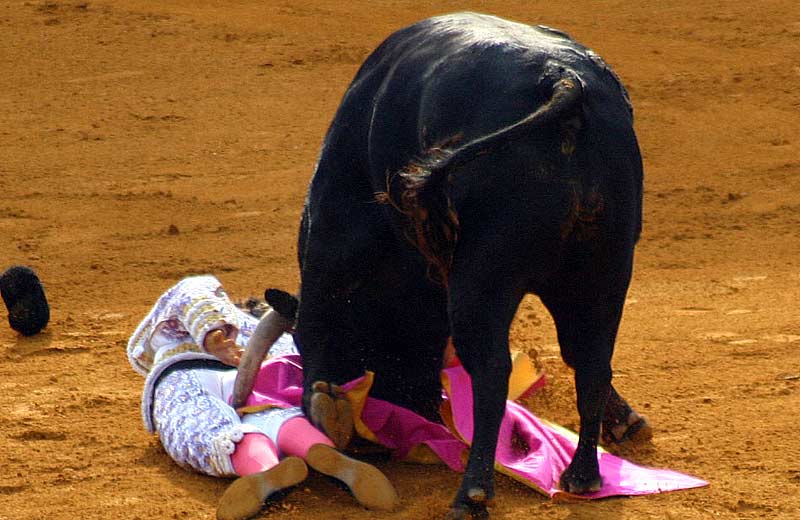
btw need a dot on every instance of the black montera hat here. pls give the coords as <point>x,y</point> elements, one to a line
<point>23,294</point>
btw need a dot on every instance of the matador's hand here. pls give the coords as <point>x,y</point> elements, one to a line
<point>224,348</point>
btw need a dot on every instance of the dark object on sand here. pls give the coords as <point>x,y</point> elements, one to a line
<point>23,294</point>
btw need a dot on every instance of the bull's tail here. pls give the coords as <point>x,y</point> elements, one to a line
<point>433,224</point>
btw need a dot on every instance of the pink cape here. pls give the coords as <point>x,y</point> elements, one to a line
<point>529,450</point>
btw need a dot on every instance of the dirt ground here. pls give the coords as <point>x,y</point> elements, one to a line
<point>142,141</point>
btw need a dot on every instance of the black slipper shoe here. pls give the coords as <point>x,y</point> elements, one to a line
<point>23,294</point>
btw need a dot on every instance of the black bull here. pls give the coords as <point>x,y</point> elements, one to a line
<point>472,160</point>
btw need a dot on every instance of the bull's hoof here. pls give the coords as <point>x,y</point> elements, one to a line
<point>331,412</point>
<point>474,508</point>
<point>468,512</point>
<point>633,428</point>
<point>578,484</point>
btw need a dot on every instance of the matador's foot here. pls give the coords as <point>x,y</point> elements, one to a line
<point>245,497</point>
<point>369,486</point>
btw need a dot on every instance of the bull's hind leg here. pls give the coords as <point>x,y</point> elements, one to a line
<point>587,329</point>
<point>481,308</point>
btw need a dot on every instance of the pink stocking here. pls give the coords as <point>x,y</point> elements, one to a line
<point>297,435</point>
<point>253,454</point>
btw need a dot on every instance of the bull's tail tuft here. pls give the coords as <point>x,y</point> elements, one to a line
<point>432,221</point>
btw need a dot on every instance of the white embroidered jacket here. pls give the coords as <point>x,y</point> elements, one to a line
<point>175,329</point>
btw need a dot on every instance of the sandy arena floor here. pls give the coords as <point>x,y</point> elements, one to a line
<point>142,141</point>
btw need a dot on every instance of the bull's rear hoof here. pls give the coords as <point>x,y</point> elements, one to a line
<point>634,428</point>
<point>332,413</point>
<point>579,485</point>
<point>474,511</point>
<point>474,508</point>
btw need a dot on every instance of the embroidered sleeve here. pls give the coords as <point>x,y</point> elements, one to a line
<point>183,315</point>
<point>204,310</point>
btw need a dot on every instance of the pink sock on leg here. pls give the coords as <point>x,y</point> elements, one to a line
<point>297,435</point>
<point>253,454</point>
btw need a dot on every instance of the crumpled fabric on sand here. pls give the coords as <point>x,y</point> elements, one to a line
<point>530,450</point>
<point>546,450</point>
